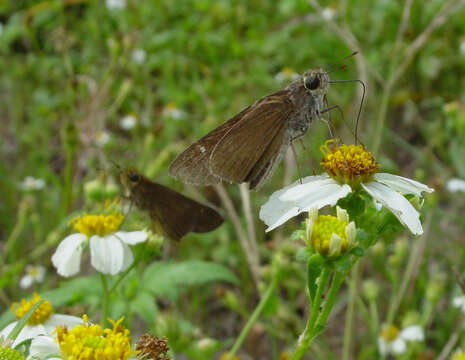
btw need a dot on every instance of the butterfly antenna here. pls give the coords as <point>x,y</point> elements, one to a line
<point>361,102</point>
<point>337,63</point>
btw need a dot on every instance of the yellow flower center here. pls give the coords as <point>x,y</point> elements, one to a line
<point>348,164</point>
<point>40,315</point>
<point>91,342</point>
<point>97,224</point>
<point>33,271</point>
<point>7,353</point>
<point>389,333</point>
<point>323,229</point>
<point>459,355</point>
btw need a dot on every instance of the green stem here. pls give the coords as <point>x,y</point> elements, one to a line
<point>253,318</point>
<point>306,337</point>
<point>331,298</point>
<point>106,300</point>
<point>122,276</point>
<point>350,313</point>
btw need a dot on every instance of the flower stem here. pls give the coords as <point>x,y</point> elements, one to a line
<point>106,300</point>
<point>307,336</point>
<point>331,298</point>
<point>253,318</point>
<point>350,313</point>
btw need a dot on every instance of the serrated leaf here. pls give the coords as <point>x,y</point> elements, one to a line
<point>169,279</point>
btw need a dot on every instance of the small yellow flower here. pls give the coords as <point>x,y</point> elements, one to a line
<point>330,235</point>
<point>97,224</point>
<point>90,342</point>
<point>7,353</point>
<point>42,322</point>
<point>40,315</point>
<point>348,164</point>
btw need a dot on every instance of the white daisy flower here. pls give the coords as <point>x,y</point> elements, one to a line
<point>286,74</point>
<point>31,183</point>
<point>138,56</point>
<point>328,13</point>
<point>393,341</point>
<point>455,185</point>
<point>172,111</point>
<point>128,122</point>
<point>349,167</point>
<point>72,343</point>
<point>42,322</point>
<point>102,138</point>
<point>459,302</point>
<point>115,4</point>
<point>34,274</point>
<point>109,250</point>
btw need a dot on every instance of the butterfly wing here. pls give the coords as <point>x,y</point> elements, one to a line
<point>178,215</point>
<point>249,151</point>
<point>192,165</point>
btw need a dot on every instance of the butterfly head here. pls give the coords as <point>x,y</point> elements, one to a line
<point>316,81</point>
<point>130,178</point>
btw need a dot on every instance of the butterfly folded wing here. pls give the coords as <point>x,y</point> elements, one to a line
<point>192,165</point>
<point>178,215</point>
<point>252,147</point>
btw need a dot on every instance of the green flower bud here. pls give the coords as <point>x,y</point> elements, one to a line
<point>370,289</point>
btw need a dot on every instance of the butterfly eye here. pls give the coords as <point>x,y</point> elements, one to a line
<point>134,177</point>
<point>311,82</point>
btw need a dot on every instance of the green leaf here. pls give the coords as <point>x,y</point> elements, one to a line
<point>144,305</point>
<point>23,321</point>
<point>357,251</point>
<point>169,279</point>
<point>343,263</point>
<point>73,290</point>
<point>314,266</point>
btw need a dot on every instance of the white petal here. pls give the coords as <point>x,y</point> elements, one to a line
<point>67,256</point>
<point>106,254</point>
<point>459,301</point>
<point>398,346</point>
<point>351,232</point>
<point>382,346</point>
<point>314,192</point>
<point>400,206</point>
<point>335,244</point>
<point>28,332</point>
<point>26,281</point>
<point>342,214</point>
<point>455,185</point>
<point>128,258</point>
<point>412,333</point>
<point>132,238</point>
<point>40,273</point>
<point>402,184</point>
<point>44,345</point>
<point>61,320</point>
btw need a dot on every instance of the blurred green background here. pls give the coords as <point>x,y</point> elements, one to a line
<point>84,83</point>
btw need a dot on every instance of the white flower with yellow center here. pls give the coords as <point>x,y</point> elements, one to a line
<point>86,341</point>
<point>34,274</point>
<point>348,168</point>
<point>393,341</point>
<point>109,250</point>
<point>330,235</point>
<point>42,322</point>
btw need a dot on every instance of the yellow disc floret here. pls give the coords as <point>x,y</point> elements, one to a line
<point>323,229</point>
<point>348,164</point>
<point>91,342</point>
<point>97,224</point>
<point>7,353</point>
<point>40,315</point>
<point>389,333</point>
<point>459,355</point>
